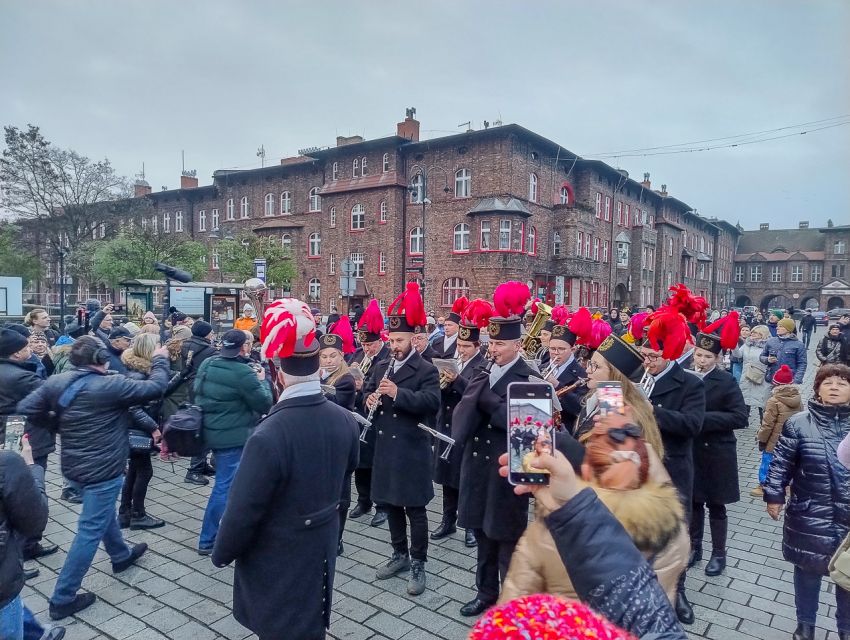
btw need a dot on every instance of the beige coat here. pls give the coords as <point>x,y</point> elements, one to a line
<point>783,404</point>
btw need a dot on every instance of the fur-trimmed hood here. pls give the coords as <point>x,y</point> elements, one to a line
<point>135,363</point>
<point>174,346</point>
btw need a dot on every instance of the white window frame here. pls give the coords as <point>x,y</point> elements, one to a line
<point>796,273</point>
<point>332,217</point>
<point>166,222</point>
<point>776,273</point>
<point>358,262</point>
<point>355,168</point>
<point>579,243</point>
<point>816,273</point>
<point>607,208</point>
<point>484,230</point>
<point>505,234</point>
<point>231,209</point>
<point>202,220</point>
<point>531,241</point>
<point>461,238</point>
<point>332,264</point>
<point>244,208</point>
<point>606,251</point>
<point>417,193</point>
<point>363,167</point>
<point>314,290</point>
<point>597,247</point>
<point>415,241</point>
<point>382,263</point>
<point>335,171</point>
<point>452,289</point>
<point>178,222</point>
<point>358,218</point>
<point>315,200</point>
<point>598,206</point>
<point>622,254</point>
<point>463,183</point>
<point>565,195</point>
<point>314,245</point>
<point>384,215</point>
<point>532,187</point>
<point>755,273</point>
<point>285,203</point>
<point>216,260</point>
<point>215,218</point>
<point>286,242</point>
<point>556,244</point>
<point>839,247</point>
<point>386,162</point>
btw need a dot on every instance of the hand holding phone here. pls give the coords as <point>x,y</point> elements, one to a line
<point>610,398</point>
<point>531,432</point>
<point>15,427</point>
<point>562,485</point>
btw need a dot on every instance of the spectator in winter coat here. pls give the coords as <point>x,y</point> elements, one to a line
<point>785,348</point>
<point>754,387</point>
<point>807,326</point>
<point>193,352</point>
<point>818,512</point>
<point>832,348</point>
<point>782,404</point>
<point>736,357</point>
<point>38,320</point>
<point>118,342</point>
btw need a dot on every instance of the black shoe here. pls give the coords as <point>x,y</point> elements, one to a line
<point>398,563</point>
<point>124,519</point>
<point>379,518</point>
<point>340,548</point>
<point>843,635</point>
<point>55,633</point>
<point>416,581</point>
<point>447,527</point>
<point>469,539</point>
<point>695,556</point>
<point>805,632</point>
<point>146,522</point>
<point>69,495</point>
<point>358,511</point>
<point>29,574</point>
<point>39,550</point>
<point>196,478</point>
<point>475,608</point>
<point>209,470</point>
<point>684,611</point>
<point>716,564</point>
<point>205,551</point>
<point>83,601</point>
<point>136,552</point>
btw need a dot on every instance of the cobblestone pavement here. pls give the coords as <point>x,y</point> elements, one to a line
<point>174,593</point>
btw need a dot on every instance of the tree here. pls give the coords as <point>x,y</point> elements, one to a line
<point>236,257</point>
<point>12,261</point>
<point>131,256</point>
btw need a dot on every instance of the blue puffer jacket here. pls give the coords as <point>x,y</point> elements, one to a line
<point>788,351</point>
<point>817,517</point>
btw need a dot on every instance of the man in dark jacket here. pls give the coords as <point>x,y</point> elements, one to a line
<point>119,341</point>
<point>807,326</point>
<point>566,372</point>
<point>233,397</point>
<point>280,524</point>
<point>92,415</point>
<point>193,353</point>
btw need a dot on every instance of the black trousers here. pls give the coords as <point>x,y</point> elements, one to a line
<point>717,522</point>
<point>139,474</point>
<point>494,557</point>
<point>363,483</point>
<point>450,499</point>
<point>197,464</point>
<point>41,461</point>
<point>344,503</point>
<point>397,518</point>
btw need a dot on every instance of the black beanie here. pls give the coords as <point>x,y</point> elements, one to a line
<point>20,328</point>
<point>11,342</point>
<point>201,329</point>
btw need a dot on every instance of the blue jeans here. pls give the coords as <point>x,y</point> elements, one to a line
<point>737,370</point>
<point>226,464</point>
<point>32,628</point>
<point>97,523</point>
<point>806,590</point>
<point>12,620</point>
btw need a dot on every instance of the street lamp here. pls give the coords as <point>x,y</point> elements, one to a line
<point>419,185</point>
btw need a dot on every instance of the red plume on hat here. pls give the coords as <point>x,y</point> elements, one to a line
<point>372,319</point>
<point>729,329</point>
<point>685,302</point>
<point>533,307</point>
<point>284,322</point>
<point>599,330</point>
<point>342,328</point>
<point>581,324</point>
<point>637,323</point>
<point>410,304</point>
<point>668,332</point>
<point>459,305</point>
<point>477,313</point>
<point>510,298</point>
<point>560,314</point>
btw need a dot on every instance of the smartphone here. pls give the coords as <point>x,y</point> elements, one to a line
<point>530,430</point>
<point>610,398</point>
<point>15,426</point>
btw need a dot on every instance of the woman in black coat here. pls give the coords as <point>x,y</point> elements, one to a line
<point>818,512</point>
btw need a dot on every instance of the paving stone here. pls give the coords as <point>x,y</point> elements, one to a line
<point>389,625</point>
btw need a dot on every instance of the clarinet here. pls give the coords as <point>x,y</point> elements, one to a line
<point>371,414</point>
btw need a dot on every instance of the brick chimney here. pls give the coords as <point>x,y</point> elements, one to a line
<point>141,189</point>
<point>663,191</point>
<point>189,180</point>
<point>646,184</point>
<point>342,141</point>
<point>410,127</point>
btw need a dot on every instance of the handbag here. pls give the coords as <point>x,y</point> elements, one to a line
<point>140,442</point>
<point>182,430</point>
<point>839,565</point>
<point>754,374</point>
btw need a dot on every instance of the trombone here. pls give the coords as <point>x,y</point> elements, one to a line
<point>439,436</point>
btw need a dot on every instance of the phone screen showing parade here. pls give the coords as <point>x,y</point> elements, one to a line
<point>530,430</point>
<point>610,397</point>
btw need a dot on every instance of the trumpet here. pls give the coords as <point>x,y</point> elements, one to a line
<point>444,378</point>
<point>371,415</point>
<point>439,436</point>
<point>363,365</point>
<point>646,384</point>
<point>552,368</point>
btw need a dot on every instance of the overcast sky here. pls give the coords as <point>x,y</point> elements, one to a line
<point>141,81</point>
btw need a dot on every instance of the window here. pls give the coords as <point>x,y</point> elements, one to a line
<point>382,263</point>
<point>620,214</point>
<point>314,289</point>
<point>607,209</point>
<point>178,222</point>
<point>598,206</point>
<point>484,237</point>
<point>202,220</point>
<point>166,222</point>
<point>335,171</point>
<point>357,261</point>
<point>461,237</point>
<point>244,208</point>
<point>628,217</point>
<point>416,240</point>
<point>606,251</point>
<point>556,244</point>
<point>386,162</point>
<point>268,208</point>
<point>622,254</point>
<point>838,271</point>
<point>463,182</point>
<point>579,243</point>
<point>755,273</point>
<point>417,190</point>
<point>532,187</point>
<point>315,200</point>
<point>797,273</point>
<point>587,241</point>
<point>363,171</point>
<point>839,247</point>
<point>531,241</point>
<point>215,218</point>
<point>230,210</point>
<point>332,217</point>
<point>776,274</point>
<point>215,259</point>
<point>454,288</point>
<point>384,212</point>
<point>504,235</point>
<point>355,167</point>
<point>596,249</point>
<point>101,229</point>
<point>815,273</point>
<point>358,218</point>
<point>285,203</point>
<point>670,246</point>
<point>332,264</point>
<point>564,195</point>
<point>702,270</point>
<point>314,246</point>
<point>702,244</point>
<point>286,242</point>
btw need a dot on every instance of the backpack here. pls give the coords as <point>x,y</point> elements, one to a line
<point>182,431</point>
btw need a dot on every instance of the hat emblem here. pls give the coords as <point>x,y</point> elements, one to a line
<point>706,343</point>
<point>329,339</point>
<point>493,328</point>
<point>607,343</point>
<point>464,333</point>
<point>395,322</point>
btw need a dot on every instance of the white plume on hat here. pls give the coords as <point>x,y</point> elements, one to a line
<point>285,321</point>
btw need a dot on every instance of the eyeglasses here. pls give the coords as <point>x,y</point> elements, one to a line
<point>651,357</point>
<point>591,367</point>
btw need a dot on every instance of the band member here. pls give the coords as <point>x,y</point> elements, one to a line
<point>294,463</point>
<point>715,448</point>
<point>565,372</point>
<point>423,347</point>
<point>372,351</point>
<point>403,392</point>
<point>444,346</point>
<point>678,401</point>
<point>335,373</point>
<point>447,472</point>
<point>545,336</point>
<point>487,502</point>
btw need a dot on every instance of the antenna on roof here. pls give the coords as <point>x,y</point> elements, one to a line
<point>467,124</point>
<point>182,160</point>
<point>261,154</point>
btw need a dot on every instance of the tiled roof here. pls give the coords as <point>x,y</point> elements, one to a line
<point>779,256</point>
<point>783,239</point>
<point>495,205</point>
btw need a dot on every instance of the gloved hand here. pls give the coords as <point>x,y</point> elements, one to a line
<point>762,446</point>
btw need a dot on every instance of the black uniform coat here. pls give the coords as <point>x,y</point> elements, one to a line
<point>401,470</point>
<point>439,348</point>
<point>367,449</point>
<point>344,397</point>
<point>715,448</point>
<point>480,425</point>
<point>447,472</point>
<point>571,402</point>
<point>281,525</point>
<point>429,354</point>
<point>678,400</point>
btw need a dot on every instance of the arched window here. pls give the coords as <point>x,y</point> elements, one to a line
<point>556,244</point>
<point>314,246</point>
<point>461,238</point>
<point>355,167</point>
<point>285,203</point>
<point>333,217</point>
<point>532,187</point>
<point>315,200</point>
<point>335,171</point>
<point>268,209</point>
<point>531,241</point>
<point>244,207</point>
<point>358,217</point>
<point>384,212</point>
<point>363,166</point>
<point>314,290</point>
<point>463,183</point>
<point>230,209</point>
<point>286,242</point>
<point>565,197</point>
<point>417,191</point>
<point>386,162</point>
<point>416,240</point>
<point>454,288</point>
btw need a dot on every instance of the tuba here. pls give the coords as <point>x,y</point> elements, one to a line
<point>531,340</point>
<point>255,290</point>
